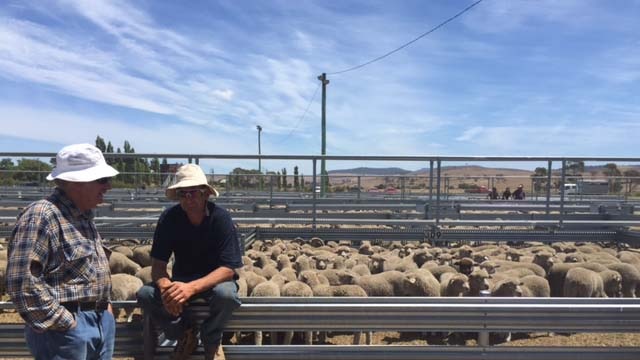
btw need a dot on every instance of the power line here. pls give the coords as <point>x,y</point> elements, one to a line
<point>410,42</point>
<point>301,117</point>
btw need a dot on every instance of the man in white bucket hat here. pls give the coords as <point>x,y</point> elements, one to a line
<point>203,240</point>
<point>58,272</point>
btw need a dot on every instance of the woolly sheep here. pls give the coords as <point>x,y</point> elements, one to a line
<point>544,259</point>
<point>508,288</point>
<point>144,274</point>
<point>142,255</point>
<point>612,281</point>
<point>297,289</point>
<point>630,278</point>
<point>537,286</point>
<point>124,287</point>
<point>420,282</point>
<point>478,282</point>
<point>122,249</point>
<point>581,282</point>
<point>268,288</point>
<point>120,264</point>
<point>388,283</point>
<point>558,273</point>
<point>454,285</point>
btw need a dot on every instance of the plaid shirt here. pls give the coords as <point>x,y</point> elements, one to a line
<point>55,255</point>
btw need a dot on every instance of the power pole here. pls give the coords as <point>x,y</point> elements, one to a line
<point>259,128</point>
<point>323,170</point>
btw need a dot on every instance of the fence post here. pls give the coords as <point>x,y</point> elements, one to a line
<point>483,336</point>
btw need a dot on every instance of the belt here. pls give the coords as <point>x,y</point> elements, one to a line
<point>75,306</point>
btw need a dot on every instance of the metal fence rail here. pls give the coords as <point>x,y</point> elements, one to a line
<point>386,352</point>
<point>401,314</point>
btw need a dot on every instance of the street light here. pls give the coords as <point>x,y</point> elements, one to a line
<point>259,152</point>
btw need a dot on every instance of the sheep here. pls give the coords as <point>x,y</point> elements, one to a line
<point>361,270</point>
<point>122,249</point>
<point>338,277</point>
<point>454,285</point>
<point>388,283</point>
<point>544,259</point>
<point>558,273</point>
<point>581,282</point>
<point>421,256</point>
<point>506,265</point>
<point>535,286</point>
<point>612,281</point>
<point>270,288</point>
<point>420,282</point>
<point>630,277</point>
<point>289,274</point>
<point>144,274</point>
<point>464,265</point>
<point>120,264</point>
<point>251,278</point>
<point>629,258</point>
<point>297,289</point>
<point>267,271</point>
<point>438,270</point>
<point>478,282</point>
<point>509,287</point>
<point>324,289</point>
<point>284,262</point>
<point>403,264</point>
<point>124,287</point>
<point>142,255</point>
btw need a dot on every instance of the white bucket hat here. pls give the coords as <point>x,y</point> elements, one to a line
<point>81,163</point>
<point>189,175</point>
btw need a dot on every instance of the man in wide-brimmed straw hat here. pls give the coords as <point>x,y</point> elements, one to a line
<point>202,238</point>
<point>58,272</point>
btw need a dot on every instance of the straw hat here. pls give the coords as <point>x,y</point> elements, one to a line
<point>189,175</point>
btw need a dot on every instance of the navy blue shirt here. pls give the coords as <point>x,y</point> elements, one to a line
<point>198,249</point>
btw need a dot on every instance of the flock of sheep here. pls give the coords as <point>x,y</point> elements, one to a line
<point>318,268</point>
<point>313,267</point>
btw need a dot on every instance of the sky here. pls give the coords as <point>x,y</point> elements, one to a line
<point>506,78</point>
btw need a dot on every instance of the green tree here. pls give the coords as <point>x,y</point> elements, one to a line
<point>6,175</point>
<point>613,173</point>
<point>539,178</point>
<point>633,179</point>
<point>296,180</point>
<point>243,178</point>
<point>284,179</point>
<point>100,144</point>
<point>31,170</point>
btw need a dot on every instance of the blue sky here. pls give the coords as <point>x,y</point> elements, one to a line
<point>509,77</point>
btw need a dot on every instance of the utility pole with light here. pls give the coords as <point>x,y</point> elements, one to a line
<point>260,179</point>
<point>259,152</point>
<point>323,171</point>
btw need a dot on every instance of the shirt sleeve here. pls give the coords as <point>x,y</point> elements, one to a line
<point>28,257</point>
<point>160,248</point>
<point>231,254</point>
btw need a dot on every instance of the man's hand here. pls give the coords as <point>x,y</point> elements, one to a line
<point>175,295</point>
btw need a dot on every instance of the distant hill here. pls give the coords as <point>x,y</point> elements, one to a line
<point>371,171</point>
<point>464,169</point>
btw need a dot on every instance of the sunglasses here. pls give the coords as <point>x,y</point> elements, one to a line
<point>104,180</point>
<point>188,194</point>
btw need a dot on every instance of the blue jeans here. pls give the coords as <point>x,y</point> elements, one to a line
<point>222,299</point>
<point>92,339</point>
